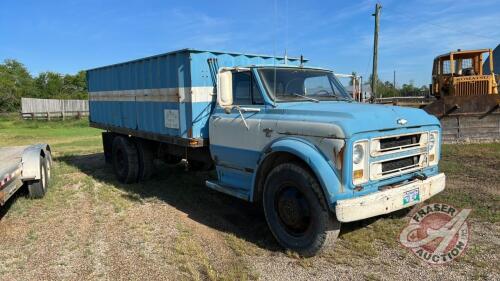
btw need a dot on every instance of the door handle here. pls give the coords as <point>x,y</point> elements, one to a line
<point>249,109</point>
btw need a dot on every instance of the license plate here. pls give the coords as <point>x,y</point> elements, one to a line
<point>411,196</point>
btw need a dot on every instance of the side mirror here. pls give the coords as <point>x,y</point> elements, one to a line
<point>225,88</point>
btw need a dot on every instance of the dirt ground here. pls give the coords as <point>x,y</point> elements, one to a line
<point>89,226</point>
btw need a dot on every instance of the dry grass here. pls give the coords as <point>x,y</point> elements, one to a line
<point>173,228</point>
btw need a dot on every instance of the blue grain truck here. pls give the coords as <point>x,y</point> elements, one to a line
<point>280,134</point>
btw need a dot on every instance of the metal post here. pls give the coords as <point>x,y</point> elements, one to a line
<point>492,71</point>
<point>394,80</point>
<point>375,49</point>
<point>394,83</point>
<point>361,89</point>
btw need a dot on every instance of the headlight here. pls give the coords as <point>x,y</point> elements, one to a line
<point>357,153</point>
<point>432,141</point>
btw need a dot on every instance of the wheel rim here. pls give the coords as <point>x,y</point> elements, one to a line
<point>293,210</point>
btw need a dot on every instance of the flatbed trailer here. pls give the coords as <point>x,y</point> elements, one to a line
<point>20,165</point>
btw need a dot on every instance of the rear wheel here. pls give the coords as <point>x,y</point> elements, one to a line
<point>296,210</point>
<point>125,160</point>
<point>38,188</point>
<point>146,157</point>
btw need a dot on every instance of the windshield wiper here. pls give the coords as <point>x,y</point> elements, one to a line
<point>305,97</point>
<point>339,98</point>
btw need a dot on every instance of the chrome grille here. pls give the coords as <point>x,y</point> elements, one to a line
<point>398,143</point>
<point>398,165</point>
<point>398,154</point>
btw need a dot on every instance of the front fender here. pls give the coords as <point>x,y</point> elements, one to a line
<point>322,168</point>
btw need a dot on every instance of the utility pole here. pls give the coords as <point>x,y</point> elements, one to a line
<point>394,82</point>
<point>375,49</point>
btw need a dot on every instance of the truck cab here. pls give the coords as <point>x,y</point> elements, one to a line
<point>291,139</point>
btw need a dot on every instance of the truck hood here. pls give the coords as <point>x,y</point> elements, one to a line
<point>348,118</point>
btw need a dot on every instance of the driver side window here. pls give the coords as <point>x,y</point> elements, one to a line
<point>245,89</point>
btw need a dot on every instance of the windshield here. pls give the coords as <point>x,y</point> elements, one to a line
<point>298,84</point>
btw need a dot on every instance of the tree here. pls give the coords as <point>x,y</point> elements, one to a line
<point>385,89</point>
<point>15,82</point>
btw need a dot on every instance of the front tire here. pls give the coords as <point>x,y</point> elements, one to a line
<point>296,210</point>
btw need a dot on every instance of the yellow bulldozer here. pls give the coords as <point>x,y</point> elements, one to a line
<point>467,99</point>
<point>460,86</point>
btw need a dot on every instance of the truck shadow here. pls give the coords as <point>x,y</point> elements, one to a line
<point>186,191</point>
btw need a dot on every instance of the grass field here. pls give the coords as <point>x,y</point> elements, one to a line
<point>173,228</point>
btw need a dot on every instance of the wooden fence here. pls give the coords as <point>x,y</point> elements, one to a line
<point>471,128</point>
<point>52,108</point>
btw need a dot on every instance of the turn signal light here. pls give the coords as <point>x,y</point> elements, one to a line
<point>358,174</point>
<point>431,157</point>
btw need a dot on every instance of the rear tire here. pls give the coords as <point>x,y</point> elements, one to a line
<point>125,160</point>
<point>146,156</point>
<point>297,212</point>
<point>38,188</point>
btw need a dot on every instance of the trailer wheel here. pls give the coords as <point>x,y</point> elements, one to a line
<point>38,188</point>
<point>125,160</point>
<point>48,161</point>
<point>296,210</point>
<point>146,156</point>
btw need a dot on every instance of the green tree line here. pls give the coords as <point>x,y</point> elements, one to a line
<point>17,82</point>
<point>387,89</point>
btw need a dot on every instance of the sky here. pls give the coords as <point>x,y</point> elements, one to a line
<point>72,35</point>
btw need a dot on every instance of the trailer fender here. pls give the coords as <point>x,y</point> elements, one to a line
<point>320,166</point>
<point>31,161</point>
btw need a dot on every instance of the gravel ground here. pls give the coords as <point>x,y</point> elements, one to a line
<point>173,228</point>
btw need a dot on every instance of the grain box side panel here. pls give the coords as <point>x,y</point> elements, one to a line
<point>136,94</point>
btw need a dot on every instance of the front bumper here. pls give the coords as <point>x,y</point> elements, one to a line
<point>384,202</point>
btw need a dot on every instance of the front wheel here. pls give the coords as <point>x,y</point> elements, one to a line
<point>297,212</point>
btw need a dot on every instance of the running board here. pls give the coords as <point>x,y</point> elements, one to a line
<point>228,190</point>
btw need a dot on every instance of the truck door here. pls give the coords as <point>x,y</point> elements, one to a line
<point>235,136</point>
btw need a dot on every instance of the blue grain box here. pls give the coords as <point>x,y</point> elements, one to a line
<point>170,94</point>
